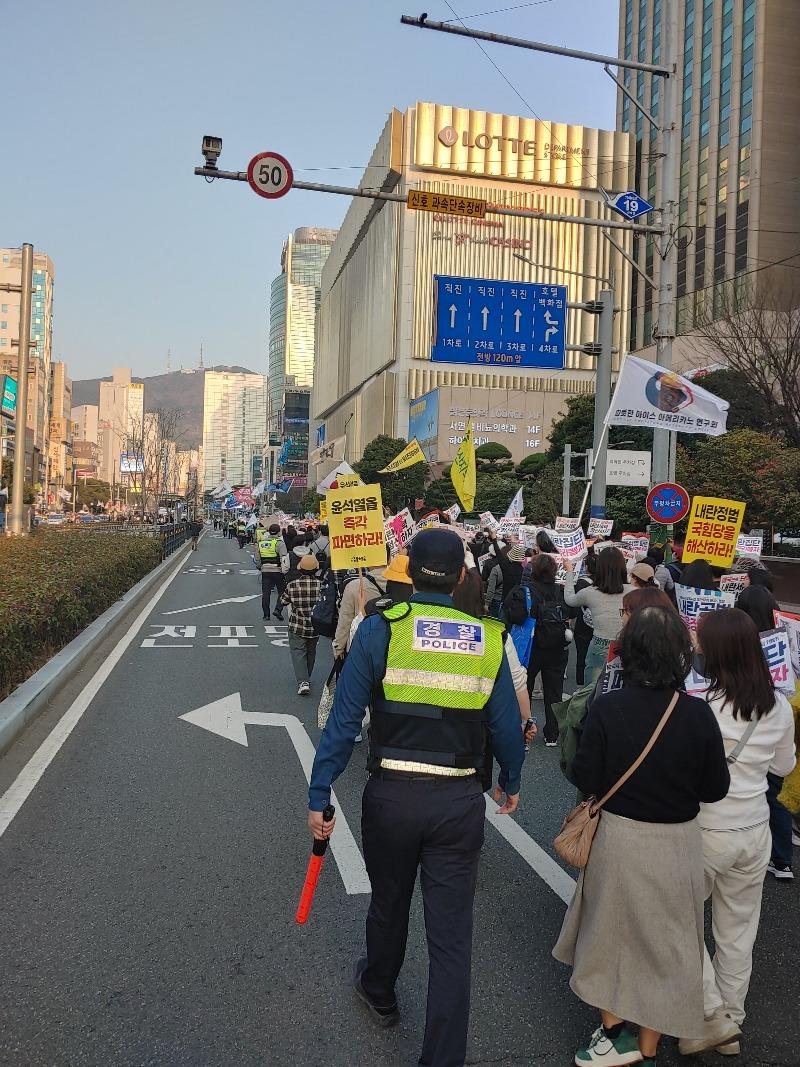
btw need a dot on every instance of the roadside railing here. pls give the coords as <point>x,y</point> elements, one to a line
<point>171,535</point>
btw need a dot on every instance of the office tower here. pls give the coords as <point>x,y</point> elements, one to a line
<point>738,197</point>
<point>120,417</point>
<point>40,351</point>
<point>234,420</point>
<point>60,442</point>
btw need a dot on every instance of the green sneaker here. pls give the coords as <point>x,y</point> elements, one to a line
<point>610,1052</point>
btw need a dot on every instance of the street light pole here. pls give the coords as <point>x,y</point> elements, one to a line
<point>16,525</point>
<point>602,399</point>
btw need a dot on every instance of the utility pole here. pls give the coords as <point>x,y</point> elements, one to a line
<point>16,524</point>
<point>566,483</point>
<point>602,399</point>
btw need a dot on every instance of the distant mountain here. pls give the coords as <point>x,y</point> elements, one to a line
<point>178,389</point>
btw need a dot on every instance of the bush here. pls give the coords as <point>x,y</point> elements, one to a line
<point>53,584</point>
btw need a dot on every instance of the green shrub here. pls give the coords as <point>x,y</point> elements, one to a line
<point>53,584</point>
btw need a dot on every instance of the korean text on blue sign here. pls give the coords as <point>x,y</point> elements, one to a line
<point>493,323</point>
<point>437,635</point>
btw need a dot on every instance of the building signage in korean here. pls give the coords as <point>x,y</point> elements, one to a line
<point>9,395</point>
<point>500,324</point>
<point>625,467</point>
<point>468,207</point>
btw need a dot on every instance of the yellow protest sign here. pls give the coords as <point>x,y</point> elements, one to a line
<point>323,511</point>
<point>410,455</point>
<point>714,525</point>
<point>347,481</point>
<point>355,525</point>
<point>462,472</point>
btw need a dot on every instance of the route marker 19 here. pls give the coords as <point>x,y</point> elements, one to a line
<point>270,175</point>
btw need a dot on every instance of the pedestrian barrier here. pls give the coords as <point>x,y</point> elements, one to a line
<point>172,535</point>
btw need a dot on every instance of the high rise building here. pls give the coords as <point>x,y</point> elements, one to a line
<point>120,418</point>
<point>234,420</point>
<point>38,413</point>
<point>85,417</point>
<point>739,196</point>
<point>294,302</point>
<point>60,443</point>
<point>375,360</point>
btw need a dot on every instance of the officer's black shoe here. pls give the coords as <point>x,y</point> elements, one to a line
<point>277,615</point>
<point>384,1017</point>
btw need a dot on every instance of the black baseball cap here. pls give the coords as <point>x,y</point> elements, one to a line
<point>437,553</point>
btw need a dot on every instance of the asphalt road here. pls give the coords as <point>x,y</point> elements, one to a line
<point>149,880</point>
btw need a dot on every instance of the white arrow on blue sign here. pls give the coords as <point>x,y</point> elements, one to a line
<point>629,204</point>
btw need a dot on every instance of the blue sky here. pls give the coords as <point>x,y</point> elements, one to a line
<point>97,168</point>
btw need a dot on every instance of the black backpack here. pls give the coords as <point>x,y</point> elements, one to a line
<point>551,621</point>
<point>515,607</point>
<point>325,613</point>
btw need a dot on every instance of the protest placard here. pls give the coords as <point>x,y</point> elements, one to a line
<point>693,602</point>
<point>600,527</point>
<point>791,623</point>
<point>355,522</point>
<point>527,534</point>
<point>403,528</point>
<point>348,481</point>
<point>453,512</point>
<point>571,544</point>
<point>489,522</point>
<point>564,524</point>
<point>429,522</point>
<point>749,545</point>
<point>612,676</point>
<point>778,654</point>
<point>714,525</point>
<point>323,511</point>
<point>635,545</point>
<point>482,559</point>
<point>733,583</point>
<point>510,527</point>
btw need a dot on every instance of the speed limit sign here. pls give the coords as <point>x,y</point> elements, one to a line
<point>270,175</point>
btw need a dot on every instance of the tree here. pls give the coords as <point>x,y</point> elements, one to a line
<point>750,466</point>
<point>309,501</point>
<point>755,331</point>
<point>440,492</point>
<point>626,505</point>
<point>154,437</point>
<point>576,428</point>
<point>532,466</point>
<point>89,491</point>
<point>494,492</point>
<point>748,409</point>
<point>493,458</point>
<point>397,490</point>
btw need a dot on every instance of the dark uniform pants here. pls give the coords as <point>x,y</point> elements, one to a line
<point>436,825</point>
<point>271,580</point>
<point>551,663</point>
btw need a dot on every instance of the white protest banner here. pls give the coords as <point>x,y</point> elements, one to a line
<point>608,544</point>
<point>638,544</point>
<point>749,545</point>
<point>692,602</point>
<point>733,583</point>
<point>612,675</point>
<point>489,522</point>
<point>528,534</point>
<point>510,527</point>
<point>600,527</point>
<point>453,512</point>
<point>696,684</point>
<point>648,395</point>
<point>564,525</point>
<point>778,654</point>
<point>482,559</point>
<point>390,537</point>
<point>791,623</point>
<point>428,522</point>
<point>571,544</point>
<point>403,528</point>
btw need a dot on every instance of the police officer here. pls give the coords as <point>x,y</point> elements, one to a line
<point>271,550</point>
<point>436,679</point>
<point>241,529</point>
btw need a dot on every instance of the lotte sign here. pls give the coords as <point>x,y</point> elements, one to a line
<point>667,502</point>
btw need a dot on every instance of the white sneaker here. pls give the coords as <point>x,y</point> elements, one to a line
<point>720,1030</point>
<point>359,737</point>
<point>782,874</point>
<point>732,1049</point>
<point>795,832</point>
<point>303,689</point>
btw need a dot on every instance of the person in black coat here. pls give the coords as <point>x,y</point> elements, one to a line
<point>550,643</point>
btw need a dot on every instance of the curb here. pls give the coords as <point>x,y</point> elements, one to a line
<point>30,699</point>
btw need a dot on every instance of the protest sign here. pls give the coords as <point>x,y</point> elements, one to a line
<point>692,602</point>
<point>791,623</point>
<point>571,544</point>
<point>648,395</point>
<point>453,512</point>
<point>696,684</point>
<point>600,527</point>
<point>714,525</point>
<point>482,559</point>
<point>527,535</point>
<point>429,522</point>
<point>733,583</point>
<point>778,654</point>
<point>749,545</point>
<point>355,522</point>
<point>347,481</point>
<point>564,525</point>
<point>489,522</point>
<point>612,676</point>
<point>635,545</point>
<point>403,529</point>
<point>510,527</point>
<point>323,511</point>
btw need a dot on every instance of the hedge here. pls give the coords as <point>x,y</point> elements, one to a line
<point>53,584</point>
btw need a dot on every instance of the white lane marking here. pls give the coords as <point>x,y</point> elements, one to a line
<point>226,718</point>
<point>534,855</point>
<point>28,778</point>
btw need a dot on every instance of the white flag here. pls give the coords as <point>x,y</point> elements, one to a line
<point>223,489</point>
<point>64,495</point>
<point>515,507</point>
<point>648,395</point>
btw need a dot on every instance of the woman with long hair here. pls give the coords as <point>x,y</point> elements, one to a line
<point>760,604</point>
<point>758,732</point>
<point>604,600</point>
<point>645,870</point>
<point>550,650</point>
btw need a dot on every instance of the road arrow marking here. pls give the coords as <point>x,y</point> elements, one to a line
<point>216,603</point>
<point>226,718</point>
<point>485,314</point>
<point>517,317</point>
<point>452,309</point>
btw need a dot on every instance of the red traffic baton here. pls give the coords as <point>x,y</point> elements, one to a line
<point>313,872</point>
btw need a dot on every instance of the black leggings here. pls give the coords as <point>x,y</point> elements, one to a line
<point>552,665</point>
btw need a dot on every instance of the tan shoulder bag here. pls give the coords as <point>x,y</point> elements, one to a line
<point>574,840</point>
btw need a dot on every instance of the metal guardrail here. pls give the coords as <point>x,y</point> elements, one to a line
<point>172,535</point>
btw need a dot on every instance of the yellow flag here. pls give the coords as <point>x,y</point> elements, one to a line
<point>462,472</point>
<point>410,455</point>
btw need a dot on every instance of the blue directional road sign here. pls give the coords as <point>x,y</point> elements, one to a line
<point>499,324</point>
<point>629,204</point>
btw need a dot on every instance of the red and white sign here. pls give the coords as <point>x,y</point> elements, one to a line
<point>667,502</point>
<point>270,175</point>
